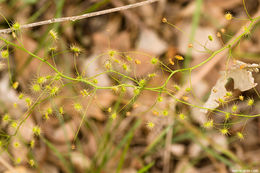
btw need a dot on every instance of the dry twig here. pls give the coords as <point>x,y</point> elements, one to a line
<point>79,17</point>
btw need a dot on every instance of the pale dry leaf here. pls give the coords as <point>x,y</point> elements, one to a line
<point>250,67</point>
<point>184,166</point>
<point>93,66</point>
<point>80,160</point>
<point>177,149</point>
<point>48,168</point>
<point>220,140</point>
<point>195,149</point>
<point>196,115</point>
<point>150,42</point>
<point>6,93</point>
<point>188,10</point>
<point>66,132</point>
<point>19,169</point>
<point>201,36</point>
<point>243,80</point>
<point>148,14</point>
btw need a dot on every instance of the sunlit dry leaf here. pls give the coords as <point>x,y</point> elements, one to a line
<point>243,80</point>
<point>177,149</point>
<point>80,160</point>
<point>66,132</point>
<point>150,42</point>
<point>19,169</point>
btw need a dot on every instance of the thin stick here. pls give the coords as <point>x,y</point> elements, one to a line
<point>79,17</point>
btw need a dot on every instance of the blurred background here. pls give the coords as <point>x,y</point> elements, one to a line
<point>128,144</point>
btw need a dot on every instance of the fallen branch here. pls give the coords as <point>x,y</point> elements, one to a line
<point>79,17</point>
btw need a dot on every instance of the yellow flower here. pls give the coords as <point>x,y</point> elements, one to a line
<point>41,80</point>
<point>113,116</point>
<point>53,34</point>
<point>179,57</point>
<point>250,102</point>
<point>14,124</point>
<point>16,144</point>
<point>5,54</point>
<point>240,135</point>
<point>18,160</point>
<point>208,124</point>
<point>164,20</point>
<point>150,125</point>
<point>224,131</point>
<point>15,85</point>
<point>228,16</point>
<point>182,116</point>
<point>75,49</point>
<point>16,26</point>
<point>234,108</point>
<point>160,99</point>
<point>61,111</point>
<point>6,117</point>
<point>36,87</point>
<point>32,143</point>
<point>137,61</point>
<point>31,162</point>
<point>36,130</point>
<point>77,107</point>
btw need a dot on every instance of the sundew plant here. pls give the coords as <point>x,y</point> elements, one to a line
<point>57,94</point>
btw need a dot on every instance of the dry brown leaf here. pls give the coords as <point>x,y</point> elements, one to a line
<point>243,80</point>
<point>48,168</point>
<point>33,69</point>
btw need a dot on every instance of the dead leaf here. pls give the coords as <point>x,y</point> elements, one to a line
<point>150,42</point>
<point>19,169</point>
<point>80,160</point>
<point>177,149</point>
<point>243,80</point>
<point>201,37</point>
<point>66,132</point>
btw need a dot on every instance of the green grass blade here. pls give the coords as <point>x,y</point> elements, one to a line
<point>194,26</point>
<point>122,158</point>
<point>146,168</point>
<point>59,155</point>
